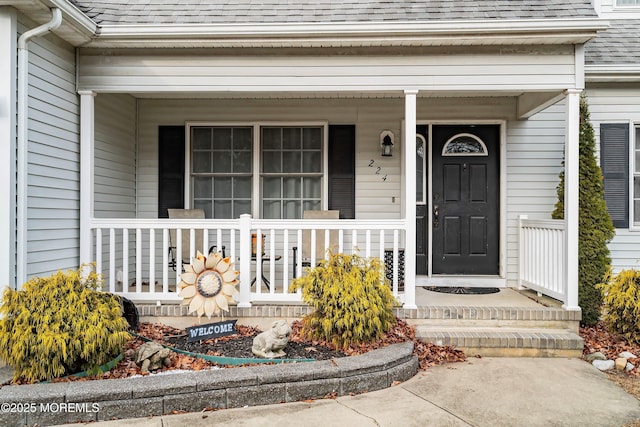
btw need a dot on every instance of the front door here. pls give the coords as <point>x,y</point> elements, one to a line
<point>465,199</point>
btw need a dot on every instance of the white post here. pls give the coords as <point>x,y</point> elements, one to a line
<point>521,251</point>
<point>87,128</point>
<point>245,261</point>
<point>571,194</point>
<point>8,89</point>
<point>410,199</point>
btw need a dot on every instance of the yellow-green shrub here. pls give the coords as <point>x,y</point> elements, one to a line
<point>351,300</point>
<point>60,325</point>
<point>622,304</point>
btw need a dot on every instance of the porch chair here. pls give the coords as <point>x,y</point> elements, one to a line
<point>305,259</point>
<point>186,241</point>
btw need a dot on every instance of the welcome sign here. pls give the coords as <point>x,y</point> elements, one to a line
<point>211,330</point>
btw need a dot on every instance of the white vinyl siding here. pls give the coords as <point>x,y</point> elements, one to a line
<point>483,69</point>
<point>610,104</point>
<point>115,156</point>
<point>53,171</point>
<point>535,150</point>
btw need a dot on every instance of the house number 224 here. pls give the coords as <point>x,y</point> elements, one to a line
<point>378,169</point>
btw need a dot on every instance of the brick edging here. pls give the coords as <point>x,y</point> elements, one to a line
<point>59,403</point>
<point>427,312</point>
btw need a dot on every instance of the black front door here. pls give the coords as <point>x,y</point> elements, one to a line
<point>465,199</point>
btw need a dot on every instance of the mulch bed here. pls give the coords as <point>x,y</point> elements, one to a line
<point>236,345</point>
<point>239,345</point>
<point>599,338</point>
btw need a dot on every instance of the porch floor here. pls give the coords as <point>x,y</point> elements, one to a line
<point>506,297</point>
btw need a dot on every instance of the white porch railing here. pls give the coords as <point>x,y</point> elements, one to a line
<point>543,256</point>
<point>133,254</point>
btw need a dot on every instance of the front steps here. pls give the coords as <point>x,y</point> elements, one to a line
<point>490,331</point>
<point>500,331</point>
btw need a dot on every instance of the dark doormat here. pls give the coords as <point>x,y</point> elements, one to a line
<point>462,290</point>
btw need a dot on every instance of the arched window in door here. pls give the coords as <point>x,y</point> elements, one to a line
<point>464,144</point>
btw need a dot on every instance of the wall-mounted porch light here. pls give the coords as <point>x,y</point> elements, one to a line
<point>386,143</point>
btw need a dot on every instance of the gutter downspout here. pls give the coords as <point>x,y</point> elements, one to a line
<point>23,121</point>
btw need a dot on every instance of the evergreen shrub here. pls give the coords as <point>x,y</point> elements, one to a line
<point>351,298</point>
<point>60,325</point>
<point>621,295</point>
<point>594,222</point>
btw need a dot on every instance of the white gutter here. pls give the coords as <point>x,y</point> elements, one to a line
<point>332,29</point>
<point>23,119</point>
<point>612,73</point>
<point>76,18</point>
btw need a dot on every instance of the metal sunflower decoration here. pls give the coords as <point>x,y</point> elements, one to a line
<point>208,284</point>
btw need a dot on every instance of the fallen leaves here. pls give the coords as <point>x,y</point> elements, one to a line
<point>428,354</point>
<point>599,338</point>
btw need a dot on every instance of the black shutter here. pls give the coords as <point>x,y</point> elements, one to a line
<point>614,155</point>
<point>342,166</point>
<point>170,169</point>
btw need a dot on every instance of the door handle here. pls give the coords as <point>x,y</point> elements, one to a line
<point>436,216</point>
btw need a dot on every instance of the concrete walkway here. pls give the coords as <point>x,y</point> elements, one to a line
<point>480,392</point>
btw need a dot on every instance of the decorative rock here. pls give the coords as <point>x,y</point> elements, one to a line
<point>629,367</point>
<point>627,355</point>
<point>269,344</point>
<point>604,365</point>
<point>621,363</point>
<point>596,356</point>
<point>152,356</point>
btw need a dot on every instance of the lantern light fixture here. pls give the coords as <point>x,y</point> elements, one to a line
<point>386,143</point>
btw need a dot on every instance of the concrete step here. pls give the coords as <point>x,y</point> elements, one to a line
<point>505,342</point>
<point>483,316</point>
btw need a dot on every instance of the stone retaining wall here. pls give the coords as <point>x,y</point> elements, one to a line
<point>97,400</point>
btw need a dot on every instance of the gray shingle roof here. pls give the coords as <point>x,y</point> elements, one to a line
<point>619,44</point>
<point>114,12</point>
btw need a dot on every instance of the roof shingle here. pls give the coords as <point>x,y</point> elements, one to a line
<point>619,44</point>
<point>132,12</point>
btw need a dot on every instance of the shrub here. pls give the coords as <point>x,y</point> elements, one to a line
<point>621,295</point>
<point>60,325</point>
<point>352,300</point>
<point>594,223</point>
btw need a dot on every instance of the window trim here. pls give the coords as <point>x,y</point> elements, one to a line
<point>624,6</point>
<point>256,188</point>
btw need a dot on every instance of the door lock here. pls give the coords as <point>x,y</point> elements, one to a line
<point>436,216</point>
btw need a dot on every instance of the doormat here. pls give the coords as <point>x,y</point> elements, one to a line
<point>462,290</point>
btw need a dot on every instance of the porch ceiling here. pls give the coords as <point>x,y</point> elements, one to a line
<point>527,103</point>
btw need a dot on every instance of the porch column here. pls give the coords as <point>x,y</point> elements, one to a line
<point>410,198</point>
<point>8,89</point>
<point>87,130</point>
<point>571,192</point>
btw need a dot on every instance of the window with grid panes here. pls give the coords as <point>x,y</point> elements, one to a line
<point>221,170</point>
<point>291,170</point>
